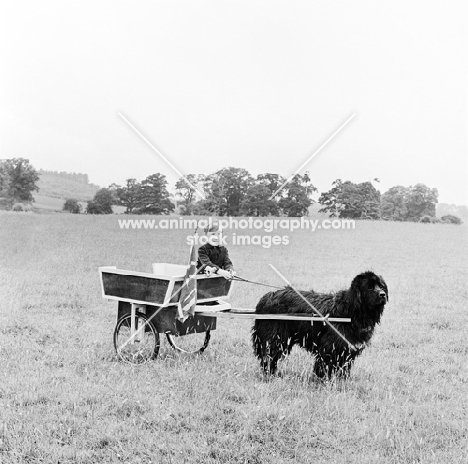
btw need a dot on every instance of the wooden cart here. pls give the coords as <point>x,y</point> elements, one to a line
<point>148,307</point>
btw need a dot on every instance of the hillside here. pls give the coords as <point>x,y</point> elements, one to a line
<point>56,187</point>
<point>63,185</point>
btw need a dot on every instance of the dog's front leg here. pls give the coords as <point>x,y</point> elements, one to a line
<point>319,367</point>
<point>265,359</point>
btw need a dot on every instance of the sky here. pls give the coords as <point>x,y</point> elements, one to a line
<point>254,84</point>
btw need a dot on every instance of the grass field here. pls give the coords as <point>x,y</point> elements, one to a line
<point>64,397</point>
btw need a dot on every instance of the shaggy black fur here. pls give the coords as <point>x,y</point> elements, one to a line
<point>363,302</point>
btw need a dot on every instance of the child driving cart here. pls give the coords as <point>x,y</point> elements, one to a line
<point>213,258</point>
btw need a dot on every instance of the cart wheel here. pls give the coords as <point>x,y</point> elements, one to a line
<point>144,345</point>
<point>190,343</point>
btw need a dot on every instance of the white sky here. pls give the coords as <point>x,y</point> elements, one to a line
<point>253,84</point>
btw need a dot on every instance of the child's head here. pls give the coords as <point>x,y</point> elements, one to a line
<point>213,232</point>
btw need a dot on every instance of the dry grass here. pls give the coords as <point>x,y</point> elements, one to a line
<point>65,398</point>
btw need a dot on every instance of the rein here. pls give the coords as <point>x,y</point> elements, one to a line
<point>241,279</point>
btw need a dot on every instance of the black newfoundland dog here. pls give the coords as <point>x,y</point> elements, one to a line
<point>363,302</point>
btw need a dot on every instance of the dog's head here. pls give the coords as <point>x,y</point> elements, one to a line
<point>369,294</point>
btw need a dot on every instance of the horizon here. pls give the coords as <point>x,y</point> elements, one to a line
<point>173,190</point>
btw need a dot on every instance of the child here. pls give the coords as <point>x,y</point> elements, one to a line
<point>213,258</point>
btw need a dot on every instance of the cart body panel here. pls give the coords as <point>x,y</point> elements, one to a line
<point>159,288</point>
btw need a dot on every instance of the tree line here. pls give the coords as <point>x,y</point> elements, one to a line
<point>75,176</point>
<point>227,192</point>
<point>234,192</point>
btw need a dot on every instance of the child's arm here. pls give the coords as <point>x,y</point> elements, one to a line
<point>228,268</point>
<point>227,263</point>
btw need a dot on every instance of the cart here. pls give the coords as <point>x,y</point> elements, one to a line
<point>148,307</point>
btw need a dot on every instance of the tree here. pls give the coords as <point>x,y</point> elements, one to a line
<point>206,207</point>
<point>257,203</point>
<point>129,196</point>
<point>4,183</point>
<point>349,200</point>
<point>370,201</point>
<point>409,203</point>
<point>272,181</point>
<point>147,197</point>
<point>429,220</point>
<point>101,203</point>
<point>298,193</point>
<point>421,201</point>
<point>154,197</point>
<point>451,219</point>
<point>18,179</point>
<point>186,190</point>
<point>332,200</point>
<point>225,190</point>
<point>72,206</point>
<point>393,204</point>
